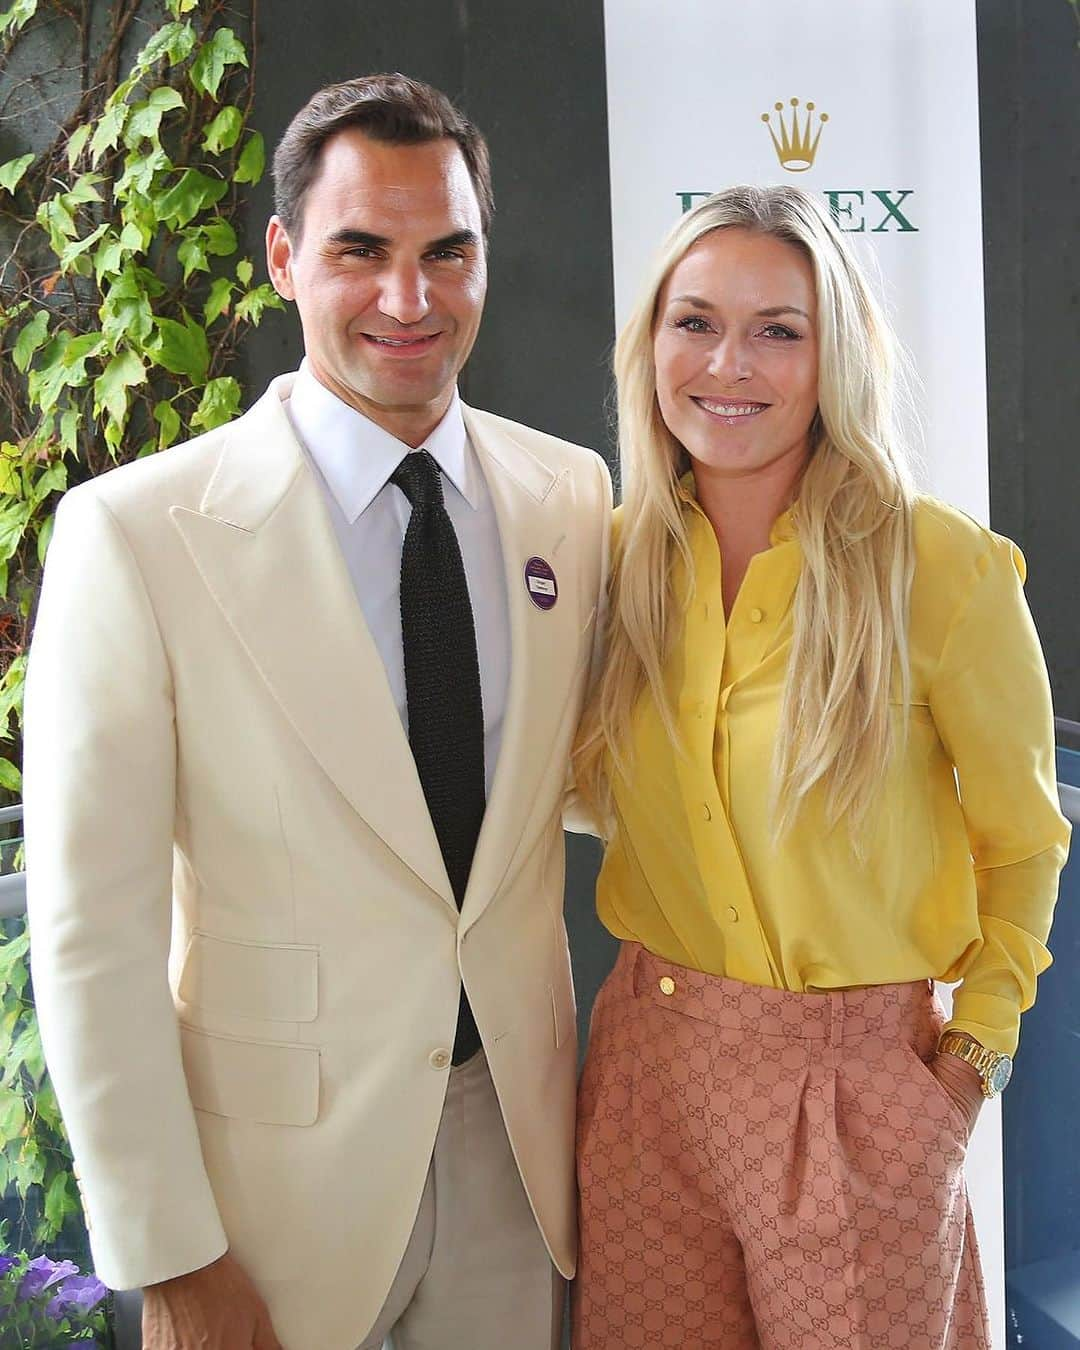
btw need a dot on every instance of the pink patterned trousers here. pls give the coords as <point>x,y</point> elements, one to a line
<point>760,1168</point>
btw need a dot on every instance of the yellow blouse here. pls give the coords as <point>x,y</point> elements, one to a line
<point>954,885</point>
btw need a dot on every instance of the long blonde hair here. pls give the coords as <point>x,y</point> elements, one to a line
<point>853,520</point>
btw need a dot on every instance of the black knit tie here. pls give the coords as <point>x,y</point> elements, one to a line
<point>442,686</point>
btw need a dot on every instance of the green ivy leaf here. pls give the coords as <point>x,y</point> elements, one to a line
<point>181,348</point>
<point>124,371</point>
<point>178,7</point>
<point>125,311</point>
<point>58,1201</point>
<point>10,478</point>
<point>107,132</point>
<point>141,171</point>
<point>174,42</point>
<point>52,375</point>
<point>10,777</point>
<point>217,302</point>
<point>192,194</point>
<point>17,17</point>
<point>133,239</point>
<point>46,1106</point>
<point>214,57</point>
<point>168,420</point>
<point>244,271</point>
<point>145,120</point>
<point>224,131</point>
<point>14,515</point>
<point>27,1052</point>
<point>53,479</point>
<point>220,403</point>
<point>13,951</point>
<point>77,142</point>
<point>85,190</point>
<point>28,1168</point>
<point>11,173</point>
<point>77,349</point>
<point>252,161</point>
<point>12,1112</point>
<point>192,254</point>
<point>220,238</point>
<point>109,258</point>
<point>11,692</point>
<point>70,421</point>
<point>44,538</point>
<point>79,246</point>
<point>253,305</point>
<point>31,336</point>
<point>56,219</point>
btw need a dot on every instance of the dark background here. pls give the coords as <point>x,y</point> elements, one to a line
<point>532,77</point>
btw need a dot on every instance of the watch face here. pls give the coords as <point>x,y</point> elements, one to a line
<point>1000,1074</point>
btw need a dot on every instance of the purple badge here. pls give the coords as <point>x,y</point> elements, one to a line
<point>541,584</point>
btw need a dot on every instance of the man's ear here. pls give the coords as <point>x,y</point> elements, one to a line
<point>279,253</point>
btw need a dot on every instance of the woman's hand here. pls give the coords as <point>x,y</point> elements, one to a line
<point>963,1085</point>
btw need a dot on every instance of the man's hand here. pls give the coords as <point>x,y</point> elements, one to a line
<point>963,1085</point>
<point>215,1308</point>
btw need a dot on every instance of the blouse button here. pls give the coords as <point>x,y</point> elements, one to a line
<point>667,985</point>
<point>757,615</point>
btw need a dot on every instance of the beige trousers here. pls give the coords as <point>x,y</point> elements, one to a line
<point>476,1274</point>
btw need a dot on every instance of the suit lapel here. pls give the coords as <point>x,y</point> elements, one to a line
<point>265,547</point>
<point>534,509</point>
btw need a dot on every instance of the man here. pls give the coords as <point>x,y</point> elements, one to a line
<point>301,698</point>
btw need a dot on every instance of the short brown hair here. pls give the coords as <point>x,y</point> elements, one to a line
<point>390,108</point>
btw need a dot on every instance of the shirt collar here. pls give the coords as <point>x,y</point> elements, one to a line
<point>356,456</point>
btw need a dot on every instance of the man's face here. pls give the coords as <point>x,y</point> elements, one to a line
<point>388,276</point>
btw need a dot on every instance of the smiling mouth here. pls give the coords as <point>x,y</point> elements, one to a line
<point>738,408</point>
<point>402,346</point>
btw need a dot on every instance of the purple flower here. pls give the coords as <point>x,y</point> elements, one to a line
<point>78,1294</point>
<point>6,1262</point>
<point>41,1273</point>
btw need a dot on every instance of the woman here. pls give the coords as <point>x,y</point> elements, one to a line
<point>805,657</point>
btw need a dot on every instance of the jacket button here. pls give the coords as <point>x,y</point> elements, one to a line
<point>756,615</point>
<point>733,914</point>
<point>439,1059</point>
<point>667,985</point>
<point>706,811</point>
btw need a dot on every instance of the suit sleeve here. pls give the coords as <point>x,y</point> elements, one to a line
<point>575,816</point>
<point>991,704</point>
<point>99,785</point>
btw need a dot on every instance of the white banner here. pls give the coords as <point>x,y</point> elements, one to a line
<point>878,112</point>
<point>874,105</point>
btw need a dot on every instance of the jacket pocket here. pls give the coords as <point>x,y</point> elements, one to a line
<point>270,982</point>
<point>264,1081</point>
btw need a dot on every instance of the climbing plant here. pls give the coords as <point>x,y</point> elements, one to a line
<point>124,297</point>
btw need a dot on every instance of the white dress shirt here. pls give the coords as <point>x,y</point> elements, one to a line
<point>353,459</point>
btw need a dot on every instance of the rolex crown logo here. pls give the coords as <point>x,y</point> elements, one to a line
<point>796,145</point>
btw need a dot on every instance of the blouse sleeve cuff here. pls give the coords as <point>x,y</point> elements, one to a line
<point>993,1021</point>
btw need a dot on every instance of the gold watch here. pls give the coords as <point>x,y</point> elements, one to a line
<point>994,1068</point>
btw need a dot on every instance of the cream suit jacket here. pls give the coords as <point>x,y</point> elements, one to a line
<point>245,949</point>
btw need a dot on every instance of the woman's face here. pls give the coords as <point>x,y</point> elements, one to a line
<point>736,352</point>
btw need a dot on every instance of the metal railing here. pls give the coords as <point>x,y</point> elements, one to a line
<point>13,885</point>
